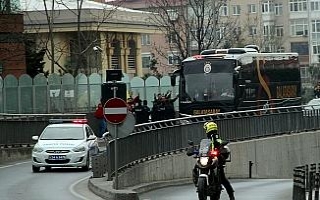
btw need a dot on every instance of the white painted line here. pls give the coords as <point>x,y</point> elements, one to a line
<point>123,110</point>
<point>12,165</point>
<point>74,193</point>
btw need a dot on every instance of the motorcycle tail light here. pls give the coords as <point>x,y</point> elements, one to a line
<point>214,153</point>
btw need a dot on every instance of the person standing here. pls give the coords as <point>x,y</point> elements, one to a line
<point>316,90</point>
<point>146,111</point>
<point>102,121</point>
<point>137,110</point>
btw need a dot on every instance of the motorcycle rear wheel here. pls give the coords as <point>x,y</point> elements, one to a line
<point>202,187</point>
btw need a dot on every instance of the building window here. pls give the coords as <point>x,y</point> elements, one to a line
<point>145,39</point>
<point>278,9</point>
<point>279,31</point>
<point>316,49</point>
<point>305,74</point>
<point>224,10</point>
<point>300,47</point>
<point>173,58</point>
<point>252,8</point>
<point>315,5</point>
<point>315,27</point>
<point>146,57</point>
<point>267,7</point>
<point>299,27</point>
<point>252,30</point>
<point>280,50</point>
<point>220,32</point>
<point>298,5</point>
<point>172,38</point>
<point>268,30</point>
<point>236,9</point>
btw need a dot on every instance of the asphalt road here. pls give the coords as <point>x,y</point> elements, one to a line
<point>19,183</point>
<point>251,189</point>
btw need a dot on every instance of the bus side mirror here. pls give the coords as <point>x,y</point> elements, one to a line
<point>173,80</point>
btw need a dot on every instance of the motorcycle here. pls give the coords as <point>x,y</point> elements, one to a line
<point>208,166</point>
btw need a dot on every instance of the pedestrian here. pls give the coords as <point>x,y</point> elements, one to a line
<point>146,112</point>
<point>317,90</point>
<point>102,121</point>
<point>137,110</point>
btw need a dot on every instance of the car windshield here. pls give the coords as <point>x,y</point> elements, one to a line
<point>62,133</point>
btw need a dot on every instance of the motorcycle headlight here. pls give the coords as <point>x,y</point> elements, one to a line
<point>37,149</point>
<point>204,161</point>
<point>79,149</point>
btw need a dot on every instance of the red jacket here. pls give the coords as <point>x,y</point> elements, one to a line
<point>99,112</point>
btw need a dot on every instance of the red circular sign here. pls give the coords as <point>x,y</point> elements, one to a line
<point>115,110</point>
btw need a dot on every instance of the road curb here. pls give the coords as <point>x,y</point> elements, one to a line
<point>104,189</point>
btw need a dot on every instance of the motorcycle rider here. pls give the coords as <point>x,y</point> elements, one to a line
<point>211,130</point>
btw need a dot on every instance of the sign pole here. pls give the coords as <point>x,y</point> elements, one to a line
<point>114,88</point>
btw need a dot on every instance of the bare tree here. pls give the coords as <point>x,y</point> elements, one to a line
<point>268,37</point>
<point>193,23</point>
<point>81,43</point>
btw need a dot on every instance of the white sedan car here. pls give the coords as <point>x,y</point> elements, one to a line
<point>64,143</point>
<point>312,108</point>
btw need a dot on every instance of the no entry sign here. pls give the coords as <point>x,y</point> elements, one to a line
<point>115,110</point>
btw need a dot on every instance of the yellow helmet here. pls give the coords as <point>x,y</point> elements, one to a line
<point>210,126</point>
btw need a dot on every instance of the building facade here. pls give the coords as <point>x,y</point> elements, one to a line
<point>12,49</point>
<point>101,37</point>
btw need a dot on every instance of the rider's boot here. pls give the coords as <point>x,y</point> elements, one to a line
<point>231,196</point>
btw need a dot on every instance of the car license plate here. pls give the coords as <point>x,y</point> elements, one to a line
<point>57,157</point>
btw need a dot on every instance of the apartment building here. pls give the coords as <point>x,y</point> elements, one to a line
<point>12,49</point>
<point>274,25</point>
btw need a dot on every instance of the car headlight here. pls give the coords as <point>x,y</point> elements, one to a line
<point>37,149</point>
<point>204,161</point>
<point>79,149</point>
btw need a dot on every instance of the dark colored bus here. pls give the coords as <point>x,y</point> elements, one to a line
<point>237,79</point>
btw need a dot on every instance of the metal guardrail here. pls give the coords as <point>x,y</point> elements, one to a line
<point>149,141</point>
<point>17,129</point>
<point>306,182</point>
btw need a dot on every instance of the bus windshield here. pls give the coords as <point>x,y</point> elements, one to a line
<point>208,80</point>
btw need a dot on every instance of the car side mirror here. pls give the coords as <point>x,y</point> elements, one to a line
<point>35,138</point>
<point>91,137</point>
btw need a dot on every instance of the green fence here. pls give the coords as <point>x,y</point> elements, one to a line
<point>68,94</point>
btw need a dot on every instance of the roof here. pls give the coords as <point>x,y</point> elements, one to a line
<point>105,16</point>
<point>38,5</point>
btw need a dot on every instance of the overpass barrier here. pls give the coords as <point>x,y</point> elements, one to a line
<point>149,141</point>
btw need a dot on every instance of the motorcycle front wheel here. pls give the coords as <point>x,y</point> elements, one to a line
<point>202,188</point>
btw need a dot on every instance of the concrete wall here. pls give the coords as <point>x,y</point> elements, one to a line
<point>14,154</point>
<point>272,158</point>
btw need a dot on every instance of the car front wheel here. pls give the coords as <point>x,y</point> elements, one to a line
<point>35,169</point>
<point>87,166</point>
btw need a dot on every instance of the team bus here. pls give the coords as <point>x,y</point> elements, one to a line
<point>225,80</point>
